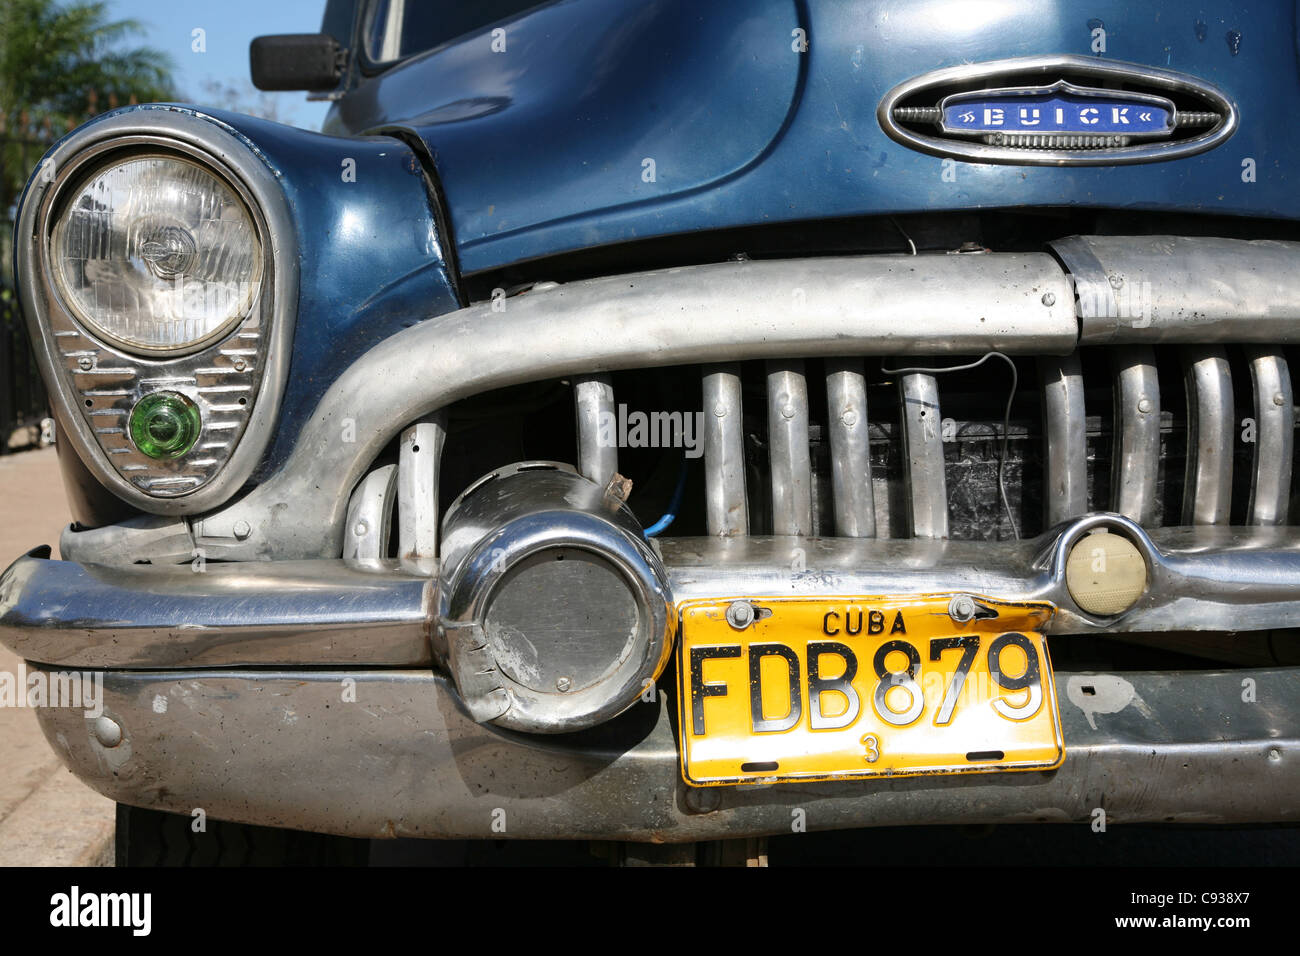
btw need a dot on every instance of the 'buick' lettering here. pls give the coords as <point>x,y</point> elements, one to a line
<point>1060,110</point>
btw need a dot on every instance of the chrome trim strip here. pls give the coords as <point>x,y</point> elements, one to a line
<point>1065,463</point>
<point>1211,428</point>
<point>1036,69</point>
<point>1270,479</point>
<point>206,140</point>
<point>726,504</point>
<point>923,466</point>
<point>722,312</point>
<point>791,462</point>
<point>1136,455</point>
<point>854,497</point>
<point>1186,748</point>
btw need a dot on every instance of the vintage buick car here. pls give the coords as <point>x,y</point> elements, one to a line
<point>662,422</point>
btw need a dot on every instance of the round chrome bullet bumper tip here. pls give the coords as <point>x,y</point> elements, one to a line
<point>556,613</point>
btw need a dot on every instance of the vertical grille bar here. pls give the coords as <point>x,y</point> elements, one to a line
<point>593,402</point>
<point>418,460</point>
<point>726,507</point>
<point>846,402</point>
<point>927,491</point>
<point>787,418</point>
<point>1207,489</point>
<point>370,510</point>
<point>1137,434</point>
<point>1065,479</point>
<point>1270,482</point>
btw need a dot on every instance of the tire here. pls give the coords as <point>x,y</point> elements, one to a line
<point>154,838</point>
<point>709,853</point>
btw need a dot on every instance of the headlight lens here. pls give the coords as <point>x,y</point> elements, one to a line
<point>156,254</point>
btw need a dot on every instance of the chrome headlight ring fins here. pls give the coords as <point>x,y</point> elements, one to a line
<point>210,476</point>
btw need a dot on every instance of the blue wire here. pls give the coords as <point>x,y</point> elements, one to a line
<point>673,506</point>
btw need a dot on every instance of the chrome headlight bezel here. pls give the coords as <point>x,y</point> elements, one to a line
<point>252,353</point>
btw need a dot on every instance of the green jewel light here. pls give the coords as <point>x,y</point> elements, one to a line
<point>164,425</point>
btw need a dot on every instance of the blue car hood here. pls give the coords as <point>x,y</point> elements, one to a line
<point>604,121</point>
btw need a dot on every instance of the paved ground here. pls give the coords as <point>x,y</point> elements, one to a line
<point>47,816</point>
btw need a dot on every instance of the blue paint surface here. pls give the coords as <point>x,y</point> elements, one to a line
<point>540,148</point>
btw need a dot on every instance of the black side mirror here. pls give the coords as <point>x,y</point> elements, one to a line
<point>296,61</point>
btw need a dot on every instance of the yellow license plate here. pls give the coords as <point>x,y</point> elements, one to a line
<point>817,689</point>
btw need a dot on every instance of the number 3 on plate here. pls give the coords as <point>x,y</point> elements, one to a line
<point>872,743</point>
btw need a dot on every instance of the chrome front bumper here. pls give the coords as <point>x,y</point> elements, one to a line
<point>328,612</point>
<point>304,694</point>
<point>394,754</point>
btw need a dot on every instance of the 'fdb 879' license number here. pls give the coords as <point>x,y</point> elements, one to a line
<point>820,690</point>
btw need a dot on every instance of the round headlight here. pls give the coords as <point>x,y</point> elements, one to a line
<point>156,254</point>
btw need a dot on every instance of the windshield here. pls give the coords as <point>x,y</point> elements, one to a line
<point>399,28</point>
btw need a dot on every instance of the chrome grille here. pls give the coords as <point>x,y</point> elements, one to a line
<point>911,456</point>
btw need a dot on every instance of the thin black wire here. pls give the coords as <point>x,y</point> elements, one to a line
<point>1006,417</point>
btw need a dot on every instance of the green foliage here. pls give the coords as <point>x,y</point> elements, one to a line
<point>60,63</point>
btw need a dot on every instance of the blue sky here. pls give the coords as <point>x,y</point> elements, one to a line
<point>229,26</point>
